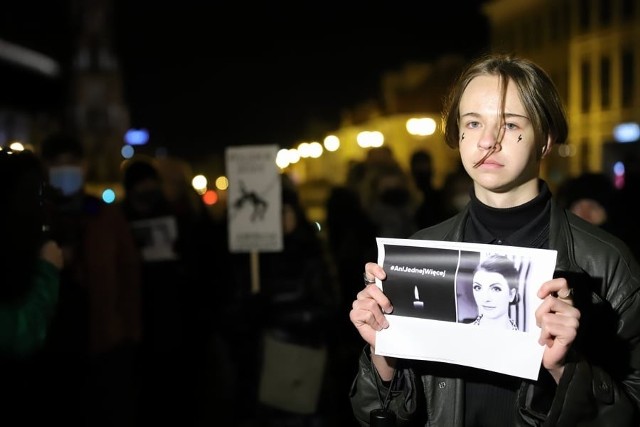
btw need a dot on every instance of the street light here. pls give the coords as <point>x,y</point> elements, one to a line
<point>423,126</point>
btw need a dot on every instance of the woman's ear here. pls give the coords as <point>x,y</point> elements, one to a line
<point>515,297</point>
<point>546,148</point>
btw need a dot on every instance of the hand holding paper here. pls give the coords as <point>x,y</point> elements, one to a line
<point>460,310</point>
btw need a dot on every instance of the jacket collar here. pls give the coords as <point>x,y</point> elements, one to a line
<point>560,238</point>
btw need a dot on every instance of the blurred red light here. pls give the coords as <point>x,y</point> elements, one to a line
<point>210,197</point>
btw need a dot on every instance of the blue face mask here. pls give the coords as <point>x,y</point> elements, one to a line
<point>68,179</point>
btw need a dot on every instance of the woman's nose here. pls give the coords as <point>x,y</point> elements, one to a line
<point>485,296</point>
<point>487,140</point>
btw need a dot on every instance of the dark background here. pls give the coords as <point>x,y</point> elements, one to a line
<point>204,75</point>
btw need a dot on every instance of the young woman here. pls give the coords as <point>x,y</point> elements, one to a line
<point>504,114</point>
<point>495,289</point>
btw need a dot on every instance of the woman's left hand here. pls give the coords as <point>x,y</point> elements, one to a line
<point>559,321</point>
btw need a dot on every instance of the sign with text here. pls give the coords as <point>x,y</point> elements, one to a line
<point>464,303</point>
<point>254,199</point>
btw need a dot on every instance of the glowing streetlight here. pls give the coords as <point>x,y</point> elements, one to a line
<point>331,143</point>
<point>199,183</point>
<point>222,183</point>
<point>423,126</point>
<point>367,139</point>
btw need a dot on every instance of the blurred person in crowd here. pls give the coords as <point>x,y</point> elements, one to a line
<point>504,114</point>
<point>298,291</point>
<point>376,158</point>
<point>30,263</point>
<point>593,197</point>
<point>207,234</point>
<point>203,246</point>
<point>294,277</point>
<point>97,327</point>
<point>392,205</point>
<point>296,304</point>
<point>176,176</point>
<point>175,242</point>
<point>455,192</point>
<point>351,241</point>
<point>350,232</point>
<point>380,156</point>
<point>421,168</point>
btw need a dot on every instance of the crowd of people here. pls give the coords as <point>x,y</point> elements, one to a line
<point>138,310</point>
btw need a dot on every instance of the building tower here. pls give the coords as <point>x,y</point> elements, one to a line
<point>97,111</point>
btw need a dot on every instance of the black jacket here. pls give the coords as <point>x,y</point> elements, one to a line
<point>601,381</point>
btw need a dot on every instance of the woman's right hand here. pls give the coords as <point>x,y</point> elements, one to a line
<point>370,305</point>
<point>51,252</point>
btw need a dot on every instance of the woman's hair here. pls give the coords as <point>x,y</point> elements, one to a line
<point>21,220</point>
<point>501,264</point>
<point>536,89</point>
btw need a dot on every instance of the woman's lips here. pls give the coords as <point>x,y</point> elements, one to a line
<point>489,162</point>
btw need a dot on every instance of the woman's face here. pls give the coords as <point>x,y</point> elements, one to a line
<point>514,165</point>
<point>492,294</point>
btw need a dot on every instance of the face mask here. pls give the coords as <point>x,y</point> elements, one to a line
<point>68,179</point>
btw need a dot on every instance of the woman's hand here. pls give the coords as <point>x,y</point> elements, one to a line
<point>559,321</point>
<point>51,252</point>
<point>367,312</point>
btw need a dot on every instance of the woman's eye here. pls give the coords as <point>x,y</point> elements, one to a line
<point>511,126</point>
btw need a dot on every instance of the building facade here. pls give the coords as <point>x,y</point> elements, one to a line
<point>590,49</point>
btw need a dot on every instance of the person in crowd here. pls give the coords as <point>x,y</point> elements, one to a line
<point>392,205</point>
<point>351,235</point>
<point>428,212</point>
<point>97,327</point>
<point>293,278</point>
<point>175,331</point>
<point>295,304</point>
<point>495,289</point>
<point>351,241</point>
<point>202,245</point>
<point>30,261</point>
<point>30,264</point>
<point>455,192</point>
<point>180,243</point>
<point>504,115</point>
<point>592,196</point>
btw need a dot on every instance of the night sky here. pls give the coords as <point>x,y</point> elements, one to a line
<point>204,75</point>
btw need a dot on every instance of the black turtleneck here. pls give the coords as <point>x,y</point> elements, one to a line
<point>525,225</point>
<point>490,396</point>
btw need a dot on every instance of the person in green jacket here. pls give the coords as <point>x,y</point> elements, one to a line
<point>30,262</point>
<point>24,324</point>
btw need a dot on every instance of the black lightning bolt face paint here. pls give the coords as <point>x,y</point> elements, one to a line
<point>462,137</point>
<point>519,138</point>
